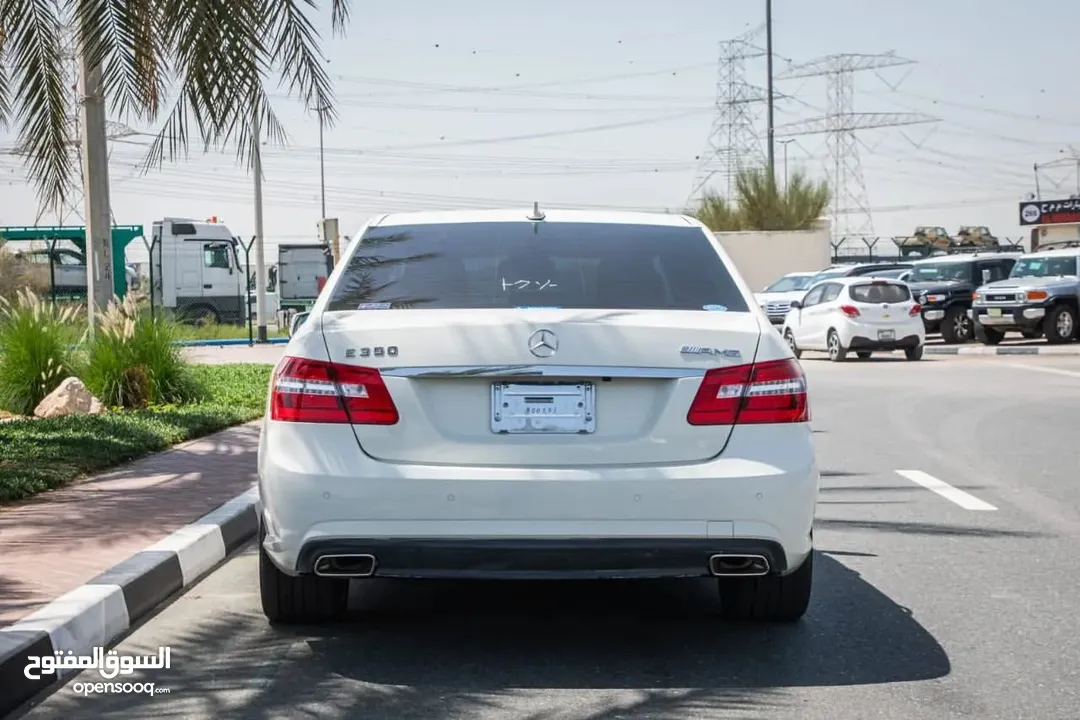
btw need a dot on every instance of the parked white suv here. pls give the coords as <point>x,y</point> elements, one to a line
<point>513,395</point>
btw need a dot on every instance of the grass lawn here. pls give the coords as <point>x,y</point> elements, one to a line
<point>215,331</point>
<point>40,455</point>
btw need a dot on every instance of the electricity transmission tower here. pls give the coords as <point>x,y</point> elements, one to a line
<point>851,208</point>
<point>734,143</point>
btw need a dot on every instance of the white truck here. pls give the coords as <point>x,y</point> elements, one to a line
<point>302,270</point>
<point>196,271</point>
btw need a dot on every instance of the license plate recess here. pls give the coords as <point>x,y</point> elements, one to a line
<point>543,408</point>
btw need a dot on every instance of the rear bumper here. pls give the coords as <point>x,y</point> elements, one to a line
<point>540,559</point>
<point>320,494</point>
<point>857,335</point>
<point>866,343</point>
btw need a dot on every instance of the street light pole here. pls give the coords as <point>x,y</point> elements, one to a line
<point>322,166</point>
<point>785,143</point>
<point>260,254</point>
<point>769,70</point>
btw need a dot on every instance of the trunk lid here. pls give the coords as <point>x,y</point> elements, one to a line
<point>641,368</point>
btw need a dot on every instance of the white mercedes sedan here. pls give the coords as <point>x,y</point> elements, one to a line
<point>520,395</point>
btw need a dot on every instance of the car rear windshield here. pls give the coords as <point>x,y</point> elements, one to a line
<point>520,265</point>
<point>880,293</point>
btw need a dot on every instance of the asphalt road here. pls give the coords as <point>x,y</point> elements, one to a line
<point>927,605</point>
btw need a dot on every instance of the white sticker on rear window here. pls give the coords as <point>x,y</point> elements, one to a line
<point>714,308</point>
<point>374,306</point>
<point>527,284</point>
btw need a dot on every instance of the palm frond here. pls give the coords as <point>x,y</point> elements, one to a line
<point>297,51</point>
<point>222,52</point>
<point>123,38</point>
<point>34,93</point>
<point>5,87</point>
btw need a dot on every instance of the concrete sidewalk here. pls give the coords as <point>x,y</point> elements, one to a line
<point>56,542</point>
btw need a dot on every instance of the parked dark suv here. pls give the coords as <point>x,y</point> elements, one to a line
<point>944,286</point>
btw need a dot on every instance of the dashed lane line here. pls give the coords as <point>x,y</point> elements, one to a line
<point>945,490</point>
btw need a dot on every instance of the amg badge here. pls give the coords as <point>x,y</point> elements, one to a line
<point>700,350</point>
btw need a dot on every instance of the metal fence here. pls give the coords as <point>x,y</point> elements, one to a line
<point>887,249</point>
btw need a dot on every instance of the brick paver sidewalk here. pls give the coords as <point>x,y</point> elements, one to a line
<point>55,543</point>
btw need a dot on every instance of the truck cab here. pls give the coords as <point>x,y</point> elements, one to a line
<point>197,271</point>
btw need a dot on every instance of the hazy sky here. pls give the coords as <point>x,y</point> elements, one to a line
<point>481,103</point>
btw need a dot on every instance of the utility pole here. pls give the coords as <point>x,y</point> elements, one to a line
<point>260,254</point>
<point>769,89</point>
<point>785,143</point>
<point>95,170</point>
<point>322,166</point>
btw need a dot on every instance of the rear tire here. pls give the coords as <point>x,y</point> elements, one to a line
<point>790,338</point>
<point>837,352</point>
<point>771,598</point>
<point>306,599</point>
<point>914,353</point>
<point>863,354</point>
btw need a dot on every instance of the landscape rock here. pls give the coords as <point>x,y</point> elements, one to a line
<point>70,398</point>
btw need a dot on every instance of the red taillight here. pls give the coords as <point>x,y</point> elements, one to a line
<point>768,392</point>
<point>850,310</point>
<point>321,392</point>
<point>915,310</point>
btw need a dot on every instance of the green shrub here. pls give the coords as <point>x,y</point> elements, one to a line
<point>761,205</point>
<point>131,360</point>
<point>36,355</point>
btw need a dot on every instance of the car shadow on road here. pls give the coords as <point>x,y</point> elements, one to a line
<point>419,649</point>
<point>630,635</point>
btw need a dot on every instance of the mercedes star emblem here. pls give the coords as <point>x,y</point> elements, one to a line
<point>543,343</point>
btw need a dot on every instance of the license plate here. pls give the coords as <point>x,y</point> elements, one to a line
<point>543,409</point>
<point>994,312</point>
<point>886,334</point>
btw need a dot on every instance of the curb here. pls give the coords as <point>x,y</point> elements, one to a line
<point>1059,350</point>
<point>229,342</point>
<point>97,613</point>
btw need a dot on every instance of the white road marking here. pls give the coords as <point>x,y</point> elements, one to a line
<point>945,490</point>
<point>1052,371</point>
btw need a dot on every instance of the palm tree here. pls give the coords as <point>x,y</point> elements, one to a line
<point>763,206</point>
<point>201,64</point>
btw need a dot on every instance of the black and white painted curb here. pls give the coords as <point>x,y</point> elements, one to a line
<point>97,613</point>
<point>1073,349</point>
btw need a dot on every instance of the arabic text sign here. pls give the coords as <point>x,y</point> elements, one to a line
<point>1050,212</point>
<point>109,664</point>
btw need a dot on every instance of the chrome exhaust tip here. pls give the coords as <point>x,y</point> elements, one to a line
<point>345,566</point>
<point>738,565</point>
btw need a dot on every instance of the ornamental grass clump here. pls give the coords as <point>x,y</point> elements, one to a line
<point>37,339</point>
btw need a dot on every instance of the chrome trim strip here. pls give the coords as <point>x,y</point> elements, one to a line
<point>572,371</point>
